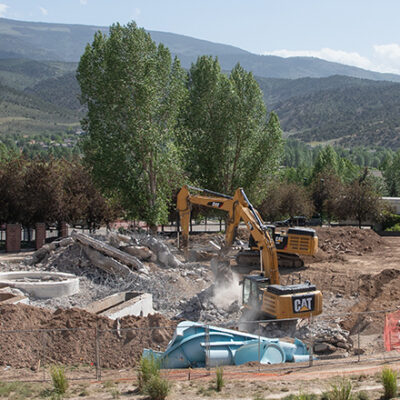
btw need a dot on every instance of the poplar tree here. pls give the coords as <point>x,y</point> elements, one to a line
<point>227,138</point>
<point>133,92</point>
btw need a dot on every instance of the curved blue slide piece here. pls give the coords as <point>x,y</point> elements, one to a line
<point>194,343</point>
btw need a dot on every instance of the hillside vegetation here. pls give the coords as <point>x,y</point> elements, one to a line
<point>40,97</point>
<point>26,114</point>
<point>362,115</point>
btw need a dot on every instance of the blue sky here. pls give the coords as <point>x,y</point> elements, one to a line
<point>364,33</point>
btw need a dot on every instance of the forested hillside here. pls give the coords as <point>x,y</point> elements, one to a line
<point>367,115</point>
<point>24,115</point>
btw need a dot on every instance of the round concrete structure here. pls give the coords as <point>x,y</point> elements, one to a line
<point>42,285</point>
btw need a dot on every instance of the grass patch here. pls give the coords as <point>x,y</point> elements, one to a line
<point>219,379</point>
<point>389,382</point>
<point>339,391</point>
<point>20,390</point>
<point>301,396</point>
<point>108,384</point>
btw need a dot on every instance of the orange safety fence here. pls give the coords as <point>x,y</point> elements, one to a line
<point>392,331</point>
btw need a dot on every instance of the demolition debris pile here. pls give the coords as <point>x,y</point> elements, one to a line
<point>195,290</point>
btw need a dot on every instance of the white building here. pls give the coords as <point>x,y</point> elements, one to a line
<point>394,203</point>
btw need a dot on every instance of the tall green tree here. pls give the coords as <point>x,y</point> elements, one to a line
<point>133,92</point>
<point>391,174</point>
<point>227,138</point>
<point>361,200</point>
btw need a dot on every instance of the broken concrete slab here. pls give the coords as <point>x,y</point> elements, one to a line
<point>122,304</point>
<point>108,250</point>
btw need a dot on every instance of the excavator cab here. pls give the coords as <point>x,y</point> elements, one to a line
<point>252,295</point>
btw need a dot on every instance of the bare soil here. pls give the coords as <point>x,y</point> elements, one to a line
<point>72,338</point>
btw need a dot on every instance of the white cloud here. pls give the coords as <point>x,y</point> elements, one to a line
<point>339,56</point>
<point>384,58</point>
<point>136,13</point>
<point>3,9</point>
<point>387,57</point>
<point>43,11</point>
<point>83,2</point>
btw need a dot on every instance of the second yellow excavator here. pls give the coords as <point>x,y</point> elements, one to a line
<point>262,295</point>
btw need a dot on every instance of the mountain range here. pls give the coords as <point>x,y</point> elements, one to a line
<point>317,101</point>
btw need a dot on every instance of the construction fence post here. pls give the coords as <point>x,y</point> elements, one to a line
<point>259,346</point>
<point>43,355</point>
<point>97,353</point>
<point>207,337</point>
<point>311,342</point>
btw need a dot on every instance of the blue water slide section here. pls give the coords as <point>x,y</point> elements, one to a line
<point>192,343</point>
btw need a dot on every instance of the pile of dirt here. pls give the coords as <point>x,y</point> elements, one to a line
<point>71,338</point>
<point>336,242</point>
<point>377,292</point>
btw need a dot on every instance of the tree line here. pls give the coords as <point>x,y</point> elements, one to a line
<point>152,126</point>
<point>49,191</point>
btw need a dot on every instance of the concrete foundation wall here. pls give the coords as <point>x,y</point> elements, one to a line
<point>41,285</point>
<point>123,304</point>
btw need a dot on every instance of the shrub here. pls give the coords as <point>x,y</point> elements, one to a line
<point>301,396</point>
<point>148,367</point>
<point>60,382</point>
<point>389,381</point>
<point>394,228</point>
<point>340,391</point>
<point>362,395</point>
<point>157,388</point>
<point>389,220</point>
<point>219,372</point>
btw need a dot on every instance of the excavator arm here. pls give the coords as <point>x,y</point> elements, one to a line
<point>208,198</point>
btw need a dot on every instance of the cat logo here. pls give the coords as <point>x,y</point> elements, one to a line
<point>215,204</point>
<point>303,303</point>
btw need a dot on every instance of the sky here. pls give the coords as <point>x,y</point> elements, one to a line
<point>363,33</point>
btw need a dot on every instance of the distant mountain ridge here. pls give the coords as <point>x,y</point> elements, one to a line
<point>316,101</point>
<point>64,42</point>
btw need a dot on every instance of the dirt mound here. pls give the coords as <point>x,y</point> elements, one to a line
<point>334,243</point>
<point>73,337</point>
<point>376,293</point>
<point>348,239</point>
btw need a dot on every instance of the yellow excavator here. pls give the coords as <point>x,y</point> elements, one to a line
<point>263,295</point>
<point>290,245</point>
